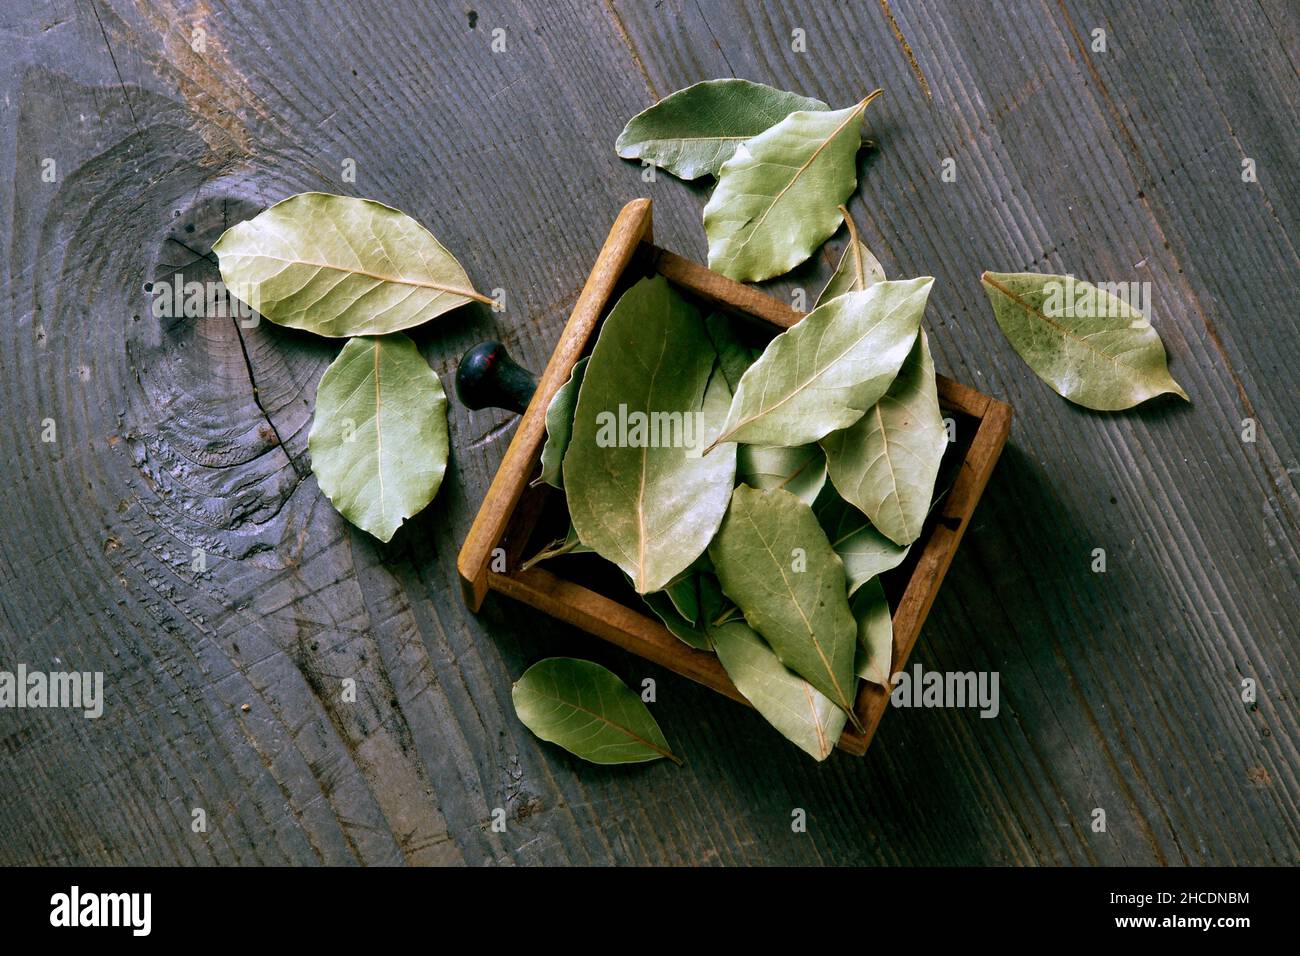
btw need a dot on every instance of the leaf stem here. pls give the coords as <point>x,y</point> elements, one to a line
<point>855,250</point>
<point>555,549</point>
<point>471,294</point>
<point>866,100</point>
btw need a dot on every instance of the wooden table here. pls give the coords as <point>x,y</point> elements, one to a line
<point>160,122</point>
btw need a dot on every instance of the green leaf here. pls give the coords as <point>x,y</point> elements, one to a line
<point>885,464</point>
<point>803,714</point>
<point>778,197</point>
<point>650,510</point>
<point>688,632</point>
<point>864,550</point>
<point>875,633</point>
<point>800,470</point>
<point>824,372</point>
<point>685,597</point>
<point>715,405</point>
<point>1089,345</point>
<point>378,441</point>
<point>569,544</point>
<point>858,269</point>
<point>691,603</point>
<point>774,561</point>
<point>734,356</point>
<point>340,267</point>
<point>587,711</point>
<point>694,131</point>
<point>559,426</point>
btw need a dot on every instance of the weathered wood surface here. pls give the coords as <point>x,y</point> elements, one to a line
<point>1120,690</point>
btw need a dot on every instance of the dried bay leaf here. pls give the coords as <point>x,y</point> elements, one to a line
<point>824,372</point>
<point>559,426</point>
<point>709,604</point>
<point>650,510</point>
<point>714,405</point>
<point>885,464</point>
<point>875,633</point>
<point>692,132</point>
<point>688,632</point>
<point>1107,358</point>
<point>778,197</point>
<point>379,440</point>
<point>858,269</point>
<point>864,551</point>
<point>734,355</point>
<point>803,715</point>
<point>685,595</point>
<point>339,266</point>
<point>569,544</point>
<point>692,593</point>
<point>589,712</point>
<point>800,470</point>
<point>775,562</point>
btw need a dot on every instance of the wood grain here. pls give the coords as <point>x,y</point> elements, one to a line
<point>1120,690</point>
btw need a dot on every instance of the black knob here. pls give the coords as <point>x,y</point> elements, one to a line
<point>487,377</point>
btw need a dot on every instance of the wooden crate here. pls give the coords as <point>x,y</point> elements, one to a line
<point>510,510</point>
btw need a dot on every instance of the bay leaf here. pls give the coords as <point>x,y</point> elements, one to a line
<point>800,470</point>
<point>714,608</point>
<point>824,372</point>
<point>774,561</point>
<point>688,632</point>
<point>714,406</point>
<point>378,440</point>
<point>875,655</point>
<point>680,604</point>
<point>885,464</point>
<point>734,355</point>
<point>803,715</point>
<point>589,712</point>
<point>778,197</point>
<point>692,132</point>
<point>858,269</point>
<point>650,510</point>
<point>569,544</point>
<point>864,551</point>
<point>1107,358</point>
<point>685,596</point>
<point>339,266</point>
<point>559,426</point>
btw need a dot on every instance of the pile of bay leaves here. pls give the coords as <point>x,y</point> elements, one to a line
<point>753,497</point>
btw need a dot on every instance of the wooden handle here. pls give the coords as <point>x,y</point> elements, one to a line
<point>487,377</point>
<point>631,226</point>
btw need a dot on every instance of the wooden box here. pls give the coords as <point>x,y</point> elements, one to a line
<point>510,512</point>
